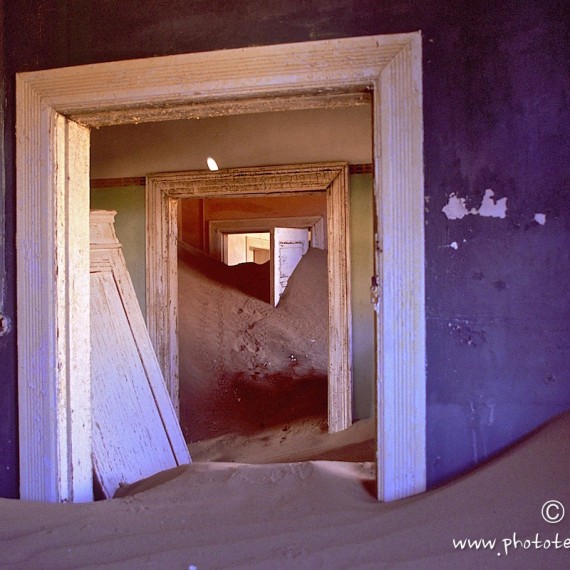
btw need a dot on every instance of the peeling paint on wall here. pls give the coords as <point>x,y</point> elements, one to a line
<point>492,208</point>
<point>456,209</point>
<point>540,219</point>
<point>5,325</point>
<point>454,245</point>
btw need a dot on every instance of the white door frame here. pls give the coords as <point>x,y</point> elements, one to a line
<point>54,110</point>
<point>217,228</point>
<point>163,192</point>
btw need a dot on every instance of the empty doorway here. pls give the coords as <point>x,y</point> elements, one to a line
<point>56,109</point>
<point>163,194</point>
<point>246,248</point>
<point>247,367</point>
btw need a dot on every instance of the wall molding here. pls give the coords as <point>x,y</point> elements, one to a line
<point>52,152</point>
<point>141,180</point>
<point>118,182</point>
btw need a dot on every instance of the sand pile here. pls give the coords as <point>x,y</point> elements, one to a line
<point>303,440</point>
<point>245,365</point>
<point>308,515</point>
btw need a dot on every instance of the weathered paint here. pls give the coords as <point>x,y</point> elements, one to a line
<point>491,208</point>
<point>496,115</point>
<point>135,433</point>
<point>456,208</point>
<point>331,178</point>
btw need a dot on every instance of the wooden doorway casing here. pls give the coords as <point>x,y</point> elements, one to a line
<point>162,194</point>
<point>55,110</point>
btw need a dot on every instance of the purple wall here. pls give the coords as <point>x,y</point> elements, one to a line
<point>497,116</point>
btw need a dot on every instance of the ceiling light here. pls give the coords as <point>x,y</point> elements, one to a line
<point>212,164</point>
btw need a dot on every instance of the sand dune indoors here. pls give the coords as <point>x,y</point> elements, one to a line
<point>274,490</point>
<point>303,515</point>
<point>244,364</point>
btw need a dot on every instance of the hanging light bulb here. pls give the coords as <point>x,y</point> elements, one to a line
<point>212,164</point>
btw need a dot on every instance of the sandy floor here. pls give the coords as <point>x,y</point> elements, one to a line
<point>245,365</point>
<point>271,489</point>
<point>303,515</point>
<point>303,440</point>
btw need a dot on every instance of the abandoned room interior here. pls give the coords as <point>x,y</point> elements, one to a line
<point>245,364</point>
<point>357,325</point>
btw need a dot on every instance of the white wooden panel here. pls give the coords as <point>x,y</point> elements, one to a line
<point>135,432</point>
<point>129,442</point>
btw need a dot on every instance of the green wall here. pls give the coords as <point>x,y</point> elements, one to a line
<point>362,269</point>
<point>129,203</point>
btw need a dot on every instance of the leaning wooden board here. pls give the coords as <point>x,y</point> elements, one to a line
<point>135,429</point>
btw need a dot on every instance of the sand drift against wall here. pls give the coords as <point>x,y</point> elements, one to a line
<point>317,515</point>
<point>245,365</point>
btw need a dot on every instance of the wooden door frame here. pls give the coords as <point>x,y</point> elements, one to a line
<point>55,110</point>
<point>163,192</point>
<point>217,241</point>
<point>251,225</point>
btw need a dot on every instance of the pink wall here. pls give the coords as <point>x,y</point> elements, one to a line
<point>195,213</point>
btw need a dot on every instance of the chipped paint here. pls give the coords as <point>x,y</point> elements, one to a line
<point>492,208</point>
<point>456,209</point>
<point>5,325</point>
<point>454,245</point>
<point>540,219</point>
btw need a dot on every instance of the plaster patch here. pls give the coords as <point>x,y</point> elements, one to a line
<point>5,325</point>
<point>540,219</point>
<point>455,209</point>
<point>491,208</point>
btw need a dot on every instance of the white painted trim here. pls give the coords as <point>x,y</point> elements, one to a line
<point>401,404</point>
<point>162,193</point>
<point>53,303</point>
<point>391,65</point>
<point>203,109</point>
<point>319,234</point>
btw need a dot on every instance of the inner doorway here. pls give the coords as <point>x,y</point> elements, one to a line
<point>265,393</point>
<point>282,248</point>
<point>163,194</point>
<point>252,368</point>
<point>56,108</point>
<point>246,248</point>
